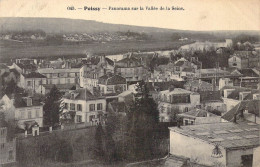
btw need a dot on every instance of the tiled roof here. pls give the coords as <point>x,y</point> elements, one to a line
<point>197,83</point>
<point>20,102</point>
<point>15,71</point>
<point>179,63</point>
<point>176,91</point>
<point>81,94</point>
<point>228,134</point>
<point>248,72</point>
<point>210,96</point>
<point>34,75</point>
<point>59,86</point>
<point>111,79</point>
<point>27,66</point>
<point>197,113</point>
<point>61,70</point>
<point>251,105</point>
<point>164,85</point>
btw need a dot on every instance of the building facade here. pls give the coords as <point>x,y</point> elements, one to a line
<point>87,107</point>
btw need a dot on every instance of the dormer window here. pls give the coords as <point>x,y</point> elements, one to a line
<point>29,101</point>
<point>72,95</point>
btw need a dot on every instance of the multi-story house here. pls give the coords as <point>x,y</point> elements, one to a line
<point>131,68</point>
<point>60,76</point>
<point>112,84</point>
<point>176,100</point>
<point>212,75</point>
<point>199,116</point>
<point>198,85</point>
<point>32,81</point>
<point>244,59</point>
<point>7,147</point>
<point>88,108</point>
<point>24,68</point>
<point>245,110</point>
<point>247,77</point>
<point>26,111</point>
<point>91,71</point>
<point>233,95</point>
<point>182,64</point>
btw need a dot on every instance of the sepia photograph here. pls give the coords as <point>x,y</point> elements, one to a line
<point>129,83</point>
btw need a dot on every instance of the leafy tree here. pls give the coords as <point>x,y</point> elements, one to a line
<point>10,87</point>
<point>51,107</point>
<point>99,151</point>
<point>143,117</point>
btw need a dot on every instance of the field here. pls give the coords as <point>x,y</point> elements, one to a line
<point>13,49</point>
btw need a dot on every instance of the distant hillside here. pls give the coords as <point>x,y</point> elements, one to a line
<point>62,25</point>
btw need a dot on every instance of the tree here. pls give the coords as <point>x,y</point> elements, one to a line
<point>51,107</point>
<point>99,151</point>
<point>10,87</point>
<point>143,117</point>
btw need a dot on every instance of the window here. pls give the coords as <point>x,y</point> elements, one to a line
<point>186,109</point>
<point>186,122</point>
<point>92,107</point>
<point>247,160</point>
<point>66,106</point>
<point>79,107</point>
<point>29,83</point>
<point>191,122</point>
<point>72,106</point>
<point>11,156</point>
<point>79,118</point>
<point>91,117</point>
<point>99,106</point>
<point>37,114</point>
<point>21,114</point>
<point>29,114</point>
<point>2,146</point>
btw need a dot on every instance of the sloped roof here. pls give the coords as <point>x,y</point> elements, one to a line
<point>20,102</point>
<point>179,63</point>
<point>164,85</point>
<point>111,79</point>
<point>251,105</point>
<point>27,66</point>
<point>197,83</point>
<point>59,86</point>
<point>61,70</point>
<point>15,71</point>
<point>197,113</point>
<point>210,96</point>
<point>177,91</point>
<point>248,72</point>
<point>34,75</point>
<point>81,94</point>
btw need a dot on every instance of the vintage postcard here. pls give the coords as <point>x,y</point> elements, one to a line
<point>111,83</point>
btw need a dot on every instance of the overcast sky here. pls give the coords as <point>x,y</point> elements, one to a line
<point>198,14</point>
